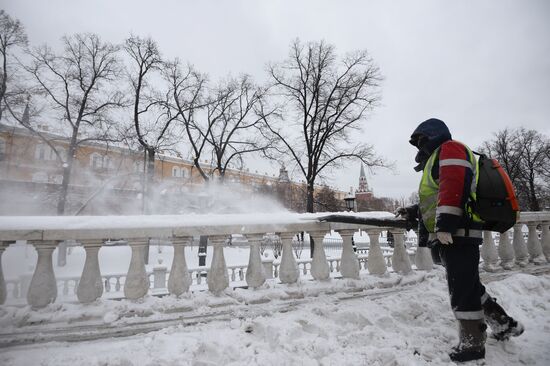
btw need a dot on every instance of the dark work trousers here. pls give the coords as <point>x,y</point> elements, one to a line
<point>461,261</point>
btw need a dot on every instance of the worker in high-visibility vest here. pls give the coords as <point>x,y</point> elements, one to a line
<point>448,223</point>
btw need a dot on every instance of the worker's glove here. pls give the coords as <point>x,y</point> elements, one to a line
<point>444,238</point>
<point>409,213</point>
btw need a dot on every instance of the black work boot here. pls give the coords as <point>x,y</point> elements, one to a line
<point>502,326</point>
<point>472,334</point>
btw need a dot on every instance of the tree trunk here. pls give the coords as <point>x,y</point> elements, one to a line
<point>309,200</point>
<point>150,181</point>
<point>533,201</point>
<point>149,192</point>
<point>64,190</point>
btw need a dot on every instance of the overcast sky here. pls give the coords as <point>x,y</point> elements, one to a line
<point>480,66</point>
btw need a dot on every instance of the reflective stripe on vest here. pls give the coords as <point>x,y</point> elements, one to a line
<point>429,189</point>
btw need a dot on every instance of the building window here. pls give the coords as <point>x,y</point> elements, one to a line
<point>107,163</point>
<point>40,152</point>
<point>175,172</point>
<point>45,152</point>
<point>98,161</point>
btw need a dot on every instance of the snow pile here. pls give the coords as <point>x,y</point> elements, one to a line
<point>411,326</point>
<point>119,313</point>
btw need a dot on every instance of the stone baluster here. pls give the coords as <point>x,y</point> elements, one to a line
<point>489,252</point>
<point>90,286</point>
<point>179,280</point>
<point>3,289</point>
<point>320,270</point>
<point>506,251</point>
<point>400,259</point>
<point>520,249</point>
<point>546,240</point>
<point>218,278</point>
<point>533,245</point>
<point>349,263</point>
<point>255,276</point>
<point>288,269</point>
<point>376,264</point>
<point>43,286</point>
<point>423,259</point>
<point>137,281</point>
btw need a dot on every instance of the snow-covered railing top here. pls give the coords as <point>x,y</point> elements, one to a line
<point>163,226</point>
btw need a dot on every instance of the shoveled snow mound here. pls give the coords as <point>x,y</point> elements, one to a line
<point>413,326</point>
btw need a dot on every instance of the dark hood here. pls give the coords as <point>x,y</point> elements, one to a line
<point>427,137</point>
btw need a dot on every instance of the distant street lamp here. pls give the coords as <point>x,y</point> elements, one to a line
<point>350,202</point>
<point>350,206</point>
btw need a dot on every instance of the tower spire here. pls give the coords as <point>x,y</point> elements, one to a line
<point>363,185</point>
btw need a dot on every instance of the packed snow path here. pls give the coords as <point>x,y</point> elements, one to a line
<point>403,325</point>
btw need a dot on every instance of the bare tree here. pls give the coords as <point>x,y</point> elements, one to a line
<point>153,121</point>
<point>187,90</point>
<point>78,84</point>
<point>12,37</point>
<point>505,147</point>
<point>326,100</point>
<point>525,155</point>
<point>535,165</point>
<point>325,200</point>
<point>231,125</point>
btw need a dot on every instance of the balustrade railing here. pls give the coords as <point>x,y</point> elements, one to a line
<point>44,234</point>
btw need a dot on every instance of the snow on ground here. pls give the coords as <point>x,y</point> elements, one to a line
<point>412,326</point>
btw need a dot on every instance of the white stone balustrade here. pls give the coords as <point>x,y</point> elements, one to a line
<point>349,263</point>
<point>218,278</point>
<point>90,286</point>
<point>320,269</point>
<point>489,252</point>
<point>376,263</point>
<point>534,247</point>
<point>506,251</point>
<point>42,289</point>
<point>137,281</point>
<point>288,269</point>
<point>423,259</point>
<point>180,279</point>
<point>520,249</point>
<point>400,259</point>
<point>255,275</point>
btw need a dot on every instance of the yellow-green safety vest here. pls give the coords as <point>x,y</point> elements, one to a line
<point>429,189</point>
